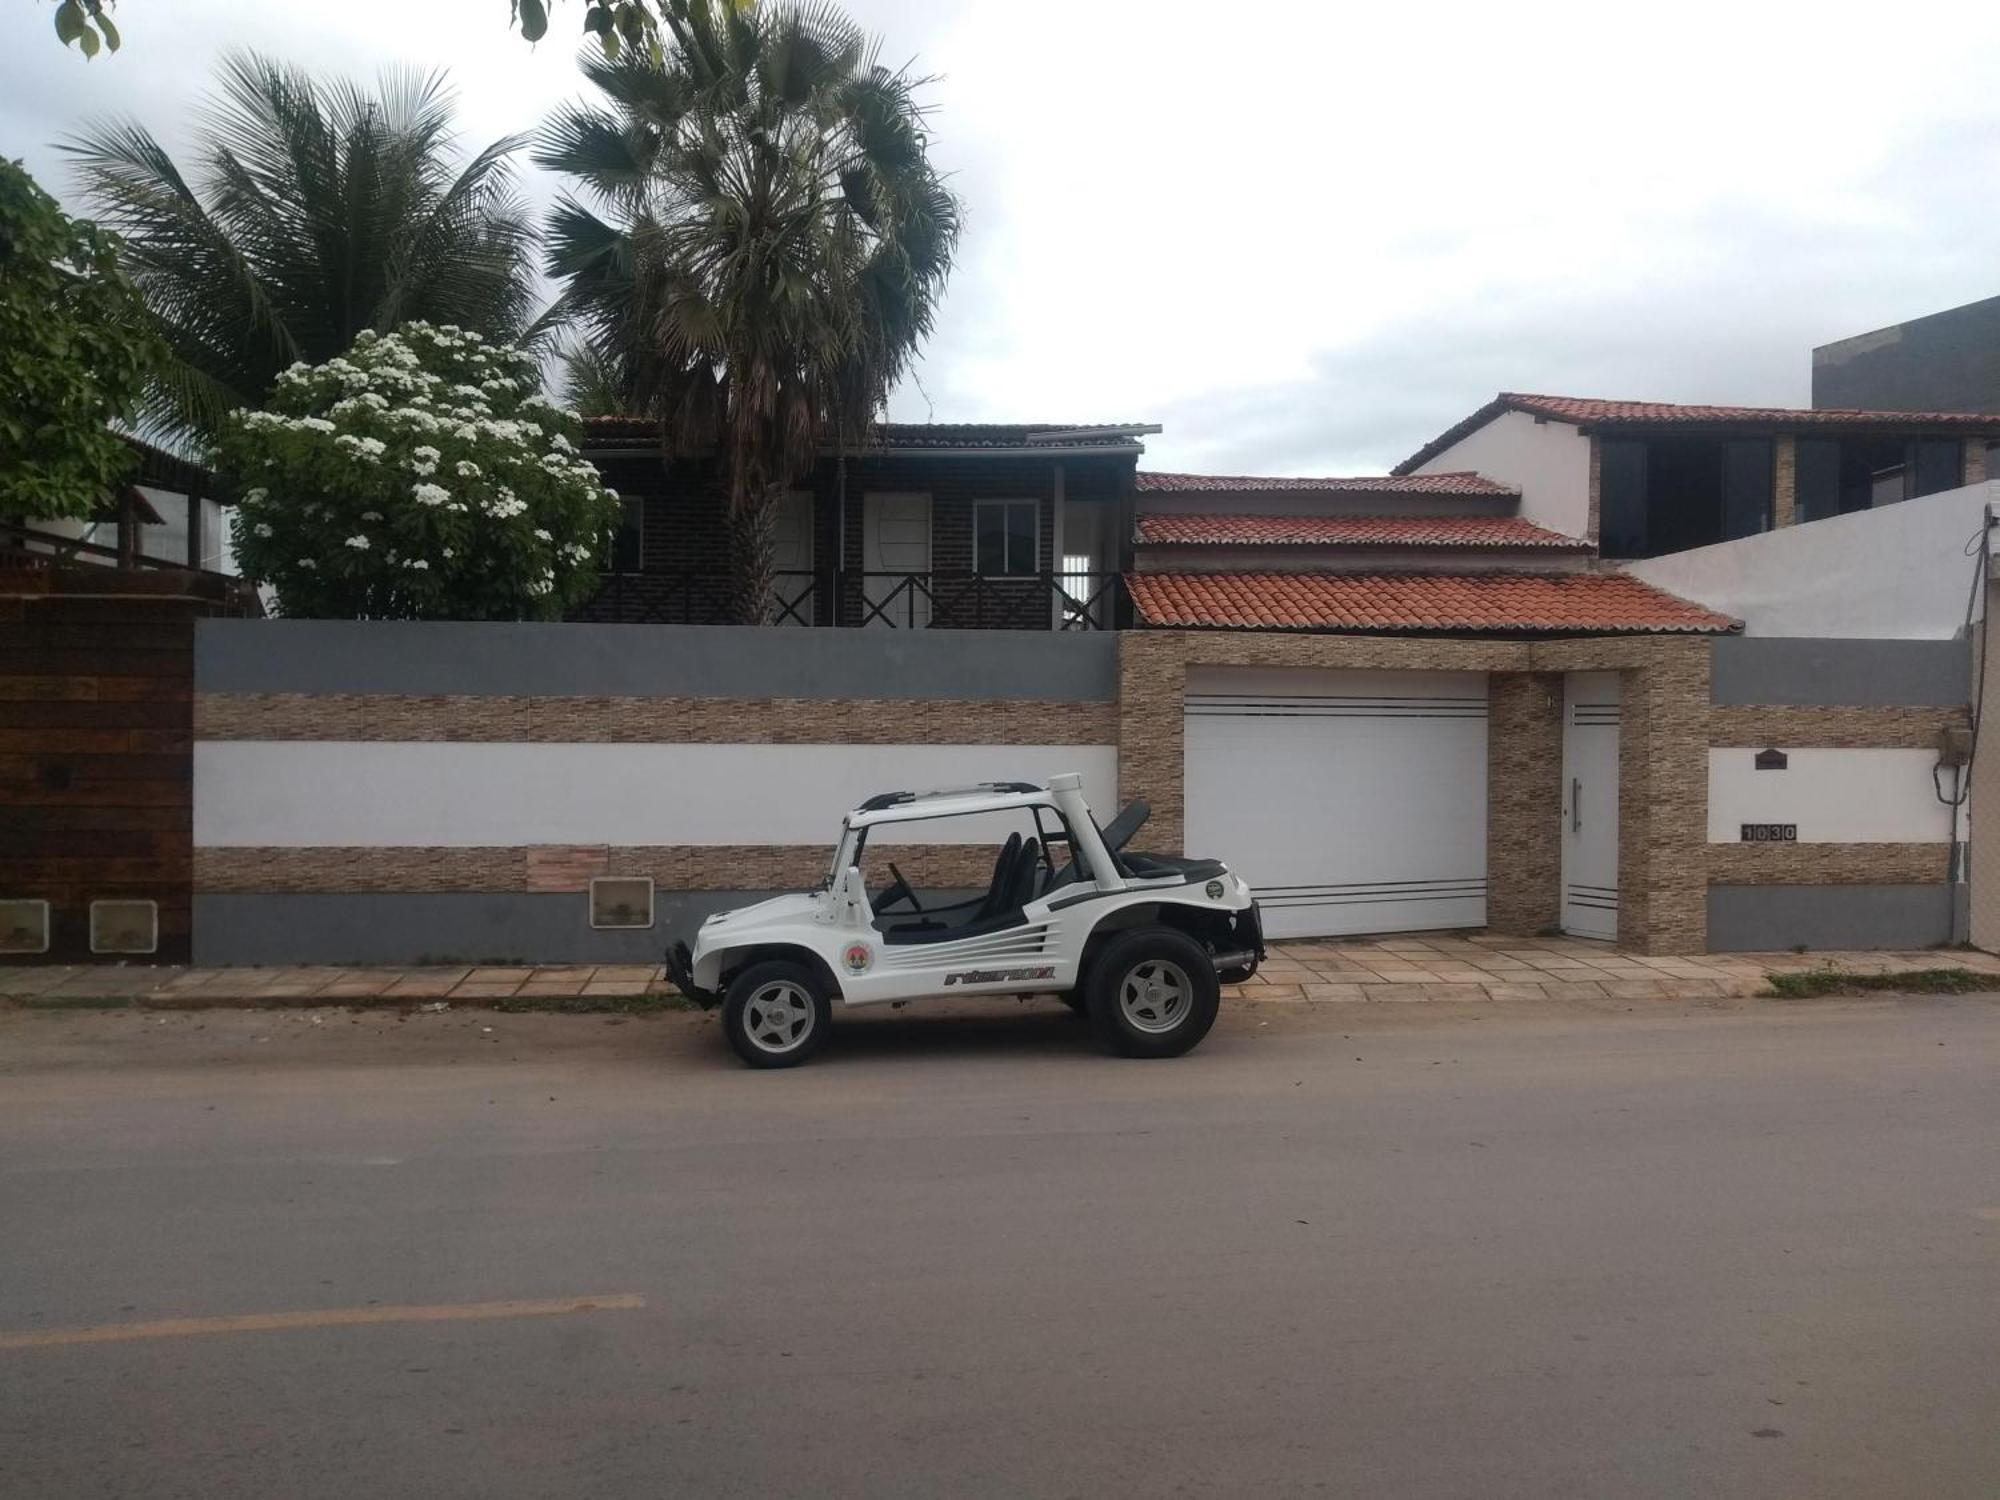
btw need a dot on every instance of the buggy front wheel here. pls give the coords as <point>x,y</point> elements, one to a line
<point>1152,993</point>
<point>776,1014</point>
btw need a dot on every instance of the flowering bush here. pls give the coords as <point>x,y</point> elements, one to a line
<point>421,475</point>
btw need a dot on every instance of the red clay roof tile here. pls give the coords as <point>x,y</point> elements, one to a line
<point>1515,603</point>
<point>1166,529</point>
<point>1466,483</point>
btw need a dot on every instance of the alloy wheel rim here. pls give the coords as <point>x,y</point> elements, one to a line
<point>1155,996</point>
<point>778,1017</point>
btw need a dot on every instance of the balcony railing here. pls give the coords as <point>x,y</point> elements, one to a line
<point>26,551</point>
<point>873,600</point>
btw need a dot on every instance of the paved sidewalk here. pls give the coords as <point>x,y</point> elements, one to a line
<point>1486,966</point>
<point>1447,966</point>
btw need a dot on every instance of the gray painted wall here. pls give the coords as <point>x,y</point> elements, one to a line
<point>400,927</point>
<point>1823,671</point>
<point>1770,918</point>
<point>1945,361</point>
<point>693,661</point>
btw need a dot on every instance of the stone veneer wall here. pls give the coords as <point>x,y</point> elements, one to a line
<point>1524,748</point>
<point>1663,799</point>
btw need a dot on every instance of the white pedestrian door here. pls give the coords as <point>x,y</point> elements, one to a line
<point>1590,804</point>
<point>1350,801</point>
<point>896,559</point>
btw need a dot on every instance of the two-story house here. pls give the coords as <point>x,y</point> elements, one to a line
<point>980,525</point>
<point>1642,478</point>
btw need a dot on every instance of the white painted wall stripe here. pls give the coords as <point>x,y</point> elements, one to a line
<point>1834,796</point>
<point>437,794</point>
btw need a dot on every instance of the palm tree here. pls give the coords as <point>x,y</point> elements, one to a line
<point>757,244</point>
<point>316,209</point>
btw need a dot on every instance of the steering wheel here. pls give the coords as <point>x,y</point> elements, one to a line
<point>899,890</point>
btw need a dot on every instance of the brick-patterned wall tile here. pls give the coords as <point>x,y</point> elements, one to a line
<point>564,867</point>
<point>663,720</point>
<point>1827,864</point>
<point>1784,480</point>
<point>1837,727</point>
<point>1524,750</point>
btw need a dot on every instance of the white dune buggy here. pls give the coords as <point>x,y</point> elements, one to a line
<point>1138,943</point>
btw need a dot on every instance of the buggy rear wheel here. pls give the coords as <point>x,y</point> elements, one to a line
<point>1152,993</point>
<point>777,1014</point>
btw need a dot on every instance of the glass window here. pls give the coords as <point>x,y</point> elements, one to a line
<point>1005,538</point>
<point>628,540</point>
<point>1936,465</point>
<point>1746,487</point>
<point>1621,498</point>
<point>1816,483</point>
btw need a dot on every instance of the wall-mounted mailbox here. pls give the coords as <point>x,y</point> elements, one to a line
<point>1772,760</point>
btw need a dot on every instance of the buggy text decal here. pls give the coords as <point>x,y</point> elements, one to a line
<point>1000,976</point>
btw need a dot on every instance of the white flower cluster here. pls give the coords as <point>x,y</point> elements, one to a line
<point>422,465</point>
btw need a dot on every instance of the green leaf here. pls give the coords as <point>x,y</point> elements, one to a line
<point>534,19</point>
<point>69,21</point>
<point>104,25</point>
<point>87,40</point>
<point>597,20</point>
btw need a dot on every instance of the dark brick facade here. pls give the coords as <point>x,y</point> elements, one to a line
<point>683,577</point>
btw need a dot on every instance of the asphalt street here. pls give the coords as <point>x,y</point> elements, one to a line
<point>1372,1251</point>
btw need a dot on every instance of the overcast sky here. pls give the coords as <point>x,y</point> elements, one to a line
<point>1308,243</point>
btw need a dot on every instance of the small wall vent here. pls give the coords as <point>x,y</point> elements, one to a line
<point>24,926</point>
<point>124,926</point>
<point>621,901</point>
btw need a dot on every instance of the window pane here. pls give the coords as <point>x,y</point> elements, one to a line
<point>627,543</point>
<point>1621,498</point>
<point>1746,487</point>
<point>1816,485</point>
<point>1021,538</point>
<point>1936,464</point>
<point>989,539</point>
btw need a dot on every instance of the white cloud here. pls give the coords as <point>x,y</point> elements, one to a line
<point>1312,235</point>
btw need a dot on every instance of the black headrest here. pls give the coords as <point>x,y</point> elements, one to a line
<point>1021,884</point>
<point>1118,832</point>
<point>1002,885</point>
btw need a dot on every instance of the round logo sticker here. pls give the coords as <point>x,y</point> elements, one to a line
<point>857,957</point>
<point>1214,889</point>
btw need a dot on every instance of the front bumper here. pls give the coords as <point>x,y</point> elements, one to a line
<point>680,969</point>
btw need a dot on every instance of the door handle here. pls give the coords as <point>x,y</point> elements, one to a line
<point>1575,805</point>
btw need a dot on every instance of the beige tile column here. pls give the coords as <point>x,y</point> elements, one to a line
<point>1523,802</point>
<point>1785,481</point>
<point>1975,460</point>
<point>1663,801</point>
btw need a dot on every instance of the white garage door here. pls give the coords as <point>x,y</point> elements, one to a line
<point>1351,801</point>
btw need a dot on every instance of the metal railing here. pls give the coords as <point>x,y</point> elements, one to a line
<point>873,600</point>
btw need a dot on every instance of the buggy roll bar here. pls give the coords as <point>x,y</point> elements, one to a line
<point>896,799</point>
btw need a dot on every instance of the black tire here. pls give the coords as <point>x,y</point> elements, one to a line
<point>753,1014</point>
<point>1076,1000</point>
<point>1173,1005</point>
